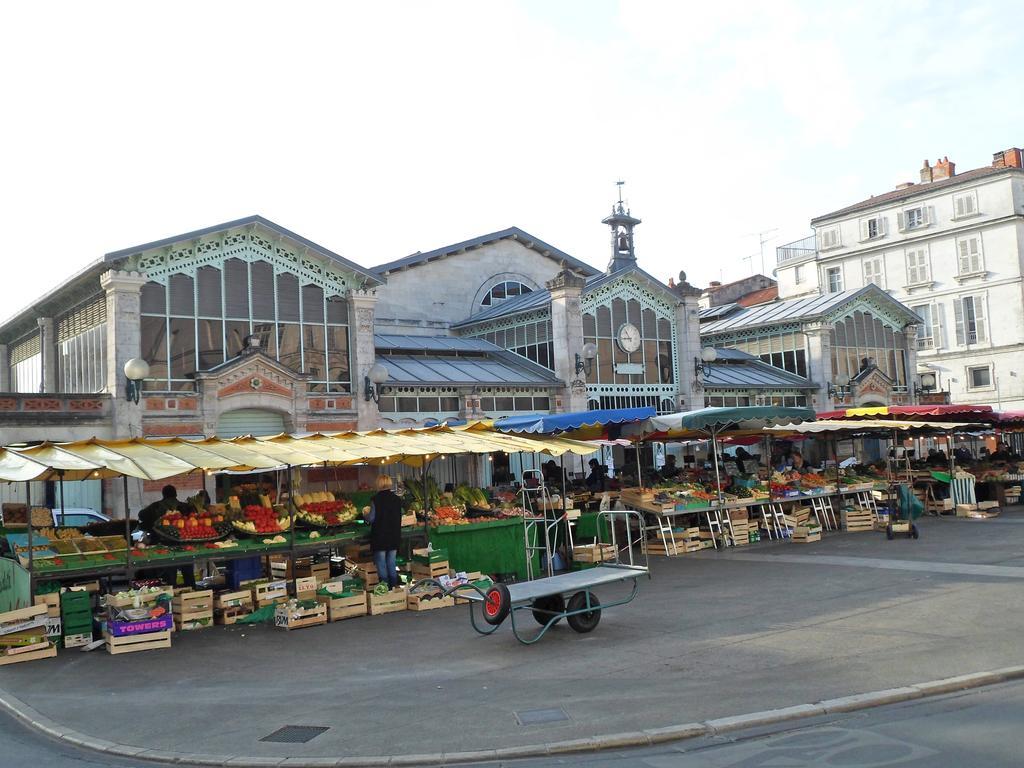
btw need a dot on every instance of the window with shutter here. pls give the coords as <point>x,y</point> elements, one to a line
<point>913,218</point>
<point>798,274</point>
<point>958,316</point>
<point>965,205</point>
<point>917,267</point>
<point>925,339</point>
<point>970,257</point>
<point>873,272</point>
<point>829,238</point>
<point>980,326</point>
<point>936,318</point>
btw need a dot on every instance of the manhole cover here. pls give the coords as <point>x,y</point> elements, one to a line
<point>295,734</point>
<point>539,716</point>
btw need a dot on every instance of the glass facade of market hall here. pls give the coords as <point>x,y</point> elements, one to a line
<point>202,316</point>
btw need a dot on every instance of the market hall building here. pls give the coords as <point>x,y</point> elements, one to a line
<point>248,328</point>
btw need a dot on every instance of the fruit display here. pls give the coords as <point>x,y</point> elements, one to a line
<point>449,516</point>
<point>328,514</point>
<point>191,526</point>
<point>471,497</point>
<point>257,521</point>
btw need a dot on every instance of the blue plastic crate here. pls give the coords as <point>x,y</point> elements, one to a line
<point>243,570</point>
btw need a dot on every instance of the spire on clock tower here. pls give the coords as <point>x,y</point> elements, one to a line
<point>622,224</point>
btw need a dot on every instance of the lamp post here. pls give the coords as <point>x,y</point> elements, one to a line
<point>926,384</point>
<point>702,364</point>
<point>373,381</point>
<point>585,364</point>
<point>135,371</point>
<point>840,389</point>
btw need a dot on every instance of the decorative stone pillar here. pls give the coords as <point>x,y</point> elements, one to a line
<point>362,354</point>
<point>819,365</point>
<point>5,369</point>
<point>689,391</point>
<point>124,342</point>
<point>567,338</point>
<point>48,349</point>
<point>910,335</point>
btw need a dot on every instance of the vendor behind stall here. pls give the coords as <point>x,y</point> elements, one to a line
<point>596,478</point>
<point>168,503</point>
<point>385,519</point>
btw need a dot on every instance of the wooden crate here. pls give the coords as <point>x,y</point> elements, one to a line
<point>594,553</point>
<point>23,619</point>
<point>340,608</point>
<point>856,520</point>
<point>428,600</point>
<point>193,610</point>
<point>52,603</point>
<point>430,570</point>
<point>305,588</point>
<point>389,602</point>
<point>77,641</point>
<point>269,593</point>
<point>802,534</point>
<point>299,568</point>
<point>29,653</point>
<point>150,641</point>
<point>366,573</point>
<point>295,616</point>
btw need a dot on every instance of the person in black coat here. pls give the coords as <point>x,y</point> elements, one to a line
<point>385,521</point>
<point>595,480</point>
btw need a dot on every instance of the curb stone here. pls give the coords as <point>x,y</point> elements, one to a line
<point>37,721</point>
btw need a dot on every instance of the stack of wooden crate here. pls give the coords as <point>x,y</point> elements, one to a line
<point>429,564</point>
<point>23,635</point>
<point>740,525</point>
<point>146,634</point>
<point>229,607</point>
<point>678,541</point>
<point>856,519</point>
<point>193,609</point>
<point>797,515</point>
<point>76,617</point>
<point>266,593</point>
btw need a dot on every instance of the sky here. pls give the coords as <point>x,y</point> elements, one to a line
<point>385,128</point>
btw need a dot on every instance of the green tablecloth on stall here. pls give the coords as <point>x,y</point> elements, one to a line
<point>493,547</point>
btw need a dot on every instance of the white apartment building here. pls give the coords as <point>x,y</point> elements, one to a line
<point>951,248</point>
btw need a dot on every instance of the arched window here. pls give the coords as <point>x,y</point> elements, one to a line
<point>506,289</point>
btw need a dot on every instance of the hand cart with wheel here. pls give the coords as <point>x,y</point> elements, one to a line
<point>566,596</point>
<point>908,509</point>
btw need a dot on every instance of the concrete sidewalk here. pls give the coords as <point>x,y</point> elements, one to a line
<point>711,636</point>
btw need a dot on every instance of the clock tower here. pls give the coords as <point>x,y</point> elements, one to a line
<point>622,224</point>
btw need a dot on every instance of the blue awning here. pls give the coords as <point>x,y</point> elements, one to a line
<point>554,423</point>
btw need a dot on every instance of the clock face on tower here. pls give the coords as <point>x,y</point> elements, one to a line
<point>628,337</point>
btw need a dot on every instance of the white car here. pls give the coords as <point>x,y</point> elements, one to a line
<point>77,517</point>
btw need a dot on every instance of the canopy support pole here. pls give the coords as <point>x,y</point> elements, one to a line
<point>31,548</point>
<point>291,518</point>
<point>60,484</point>
<point>127,531</point>
<point>639,472</point>
<point>326,488</point>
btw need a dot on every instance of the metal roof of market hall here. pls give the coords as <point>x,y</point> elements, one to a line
<point>447,361</point>
<point>807,308</point>
<point>735,369</point>
<point>512,233</point>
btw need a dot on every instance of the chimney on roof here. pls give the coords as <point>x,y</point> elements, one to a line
<point>944,169</point>
<point>1008,158</point>
<point>906,184</point>
<point>714,284</point>
<point>926,172</point>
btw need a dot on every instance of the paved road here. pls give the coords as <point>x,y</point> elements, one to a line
<point>24,747</point>
<point>712,635</point>
<point>975,728</point>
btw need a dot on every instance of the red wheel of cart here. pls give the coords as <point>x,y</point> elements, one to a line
<point>497,604</point>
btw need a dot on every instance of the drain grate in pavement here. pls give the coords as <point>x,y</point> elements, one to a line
<point>295,734</point>
<point>540,716</point>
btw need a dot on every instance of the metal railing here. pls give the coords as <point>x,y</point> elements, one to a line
<point>797,250</point>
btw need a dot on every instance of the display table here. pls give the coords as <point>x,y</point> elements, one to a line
<point>498,546</point>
